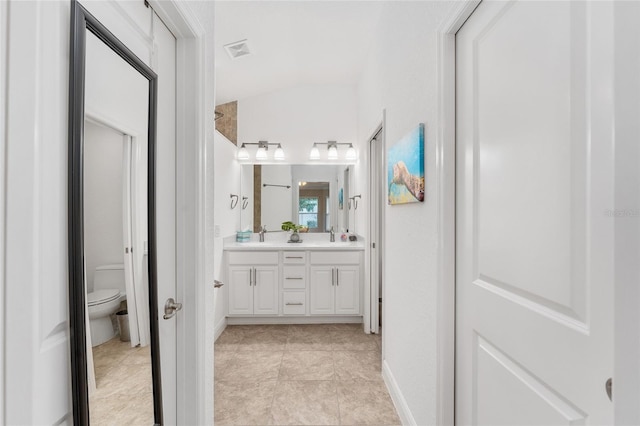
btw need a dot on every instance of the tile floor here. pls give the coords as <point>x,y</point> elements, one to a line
<point>325,374</point>
<point>124,386</point>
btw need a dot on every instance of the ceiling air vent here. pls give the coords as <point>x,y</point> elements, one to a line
<point>237,49</point>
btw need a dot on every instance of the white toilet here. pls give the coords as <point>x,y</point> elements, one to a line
<point>104,300</point>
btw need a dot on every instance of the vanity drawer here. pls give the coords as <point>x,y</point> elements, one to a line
<point>294,257</point>
<point>293,303</point>
<point>294,277</point>
<point>335,257</point>
<point>253,258</point>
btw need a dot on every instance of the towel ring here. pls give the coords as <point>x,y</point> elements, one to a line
<point>234,201</point>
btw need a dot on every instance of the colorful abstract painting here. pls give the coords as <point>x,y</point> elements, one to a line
<point>405,173</point>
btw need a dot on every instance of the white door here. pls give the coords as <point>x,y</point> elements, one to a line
<point>265,290</point>
<point>322,294</point>
<point>534,247</point>
<point>165,67</point>
<point>347,290</point>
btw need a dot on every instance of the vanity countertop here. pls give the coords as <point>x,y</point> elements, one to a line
<point>309,242</point>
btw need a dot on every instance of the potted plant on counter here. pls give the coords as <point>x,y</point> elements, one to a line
<point>290,226</point>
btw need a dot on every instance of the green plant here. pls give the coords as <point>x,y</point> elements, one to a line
<point>290,226</point>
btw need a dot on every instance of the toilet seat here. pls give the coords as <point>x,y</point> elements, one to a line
<point>102,296</point>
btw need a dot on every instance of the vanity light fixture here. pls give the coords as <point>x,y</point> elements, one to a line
<point>279,154</point>
<point>315,153</point>
<point>243,154</point>
<point>261,153</point>
<point>351,153</point>
<point>332,151</point>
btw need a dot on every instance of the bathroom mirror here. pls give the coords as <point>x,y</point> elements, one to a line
<point>115,363</point>
<point>312,195</point>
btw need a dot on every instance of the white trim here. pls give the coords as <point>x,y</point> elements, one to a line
<point>626,338</point>
<point>4,37</point>
<point>445,199</point>
<point>220,327</point>
<point>406,418</point>
<point>383,237</point>
<point>372,318</point>
<point>194,374</point>
<point>294,320</point>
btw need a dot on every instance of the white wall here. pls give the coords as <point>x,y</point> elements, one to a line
<point>298,117</point>
<point>103,227</point>
<point>400,77</point>
<point>226,219</point>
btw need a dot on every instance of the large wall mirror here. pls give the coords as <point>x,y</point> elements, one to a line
<point>115,362</point>
<point>315,196</point>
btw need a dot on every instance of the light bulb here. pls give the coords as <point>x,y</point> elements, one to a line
<point>243,154</point>
<point>333,152</point>
<point>315,153</point>
<point>351,153</point>
<point>261,154</point>
<point>279,153</point>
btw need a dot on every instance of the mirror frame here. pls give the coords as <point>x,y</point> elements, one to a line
<point>82,21</point>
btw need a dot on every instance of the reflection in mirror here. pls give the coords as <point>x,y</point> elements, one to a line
<point>310,195</point>
<point>115,224</point>
<point>314,206</point>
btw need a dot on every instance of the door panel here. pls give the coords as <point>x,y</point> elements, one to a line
<point>533,339</point>
<point>321,297</point>
<point>240,290</point>
<point>265,291</point>
<point>348,290</point>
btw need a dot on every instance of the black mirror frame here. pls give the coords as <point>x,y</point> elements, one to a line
<point>81,21</point>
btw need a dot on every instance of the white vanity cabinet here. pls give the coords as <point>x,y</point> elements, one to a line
<point>253,283</point>
<point>293,286</point>
<point>334,283</point>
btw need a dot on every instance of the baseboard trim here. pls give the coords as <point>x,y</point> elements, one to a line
<point>294,320</point>
<point>220,326</point>
<point>396,396</point>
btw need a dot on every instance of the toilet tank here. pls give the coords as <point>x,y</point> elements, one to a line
<point>109,276</point>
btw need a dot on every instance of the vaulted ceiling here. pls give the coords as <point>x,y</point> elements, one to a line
<point>292,43</point>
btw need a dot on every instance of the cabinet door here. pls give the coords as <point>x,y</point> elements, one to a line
<point>265,290</point>
<point>347,290</point>
<point>321,298</point>
<point>240,290</point>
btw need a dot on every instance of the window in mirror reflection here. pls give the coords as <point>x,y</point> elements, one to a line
<point>314,206</point>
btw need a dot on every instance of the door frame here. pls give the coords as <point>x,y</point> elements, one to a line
<point>195,336</point>
<point>446,208</point>
<point>377,211</point>
<point>627,249</point>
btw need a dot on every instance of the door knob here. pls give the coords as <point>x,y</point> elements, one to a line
<point>217,284</point>
<point>170,308</point>
<point>609,387</point>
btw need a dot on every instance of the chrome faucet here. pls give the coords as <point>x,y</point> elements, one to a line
<point>263,229</point>
<point>332,235</point>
